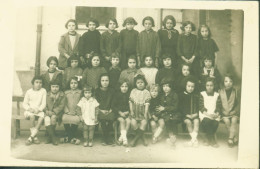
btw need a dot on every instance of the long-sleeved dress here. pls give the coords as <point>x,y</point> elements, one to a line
<point>92,75</point>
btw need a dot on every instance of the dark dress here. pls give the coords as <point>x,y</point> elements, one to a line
<point>128,44</point>
<point>104,99</point>
<point>169,41</point>
<point>206,48</point>
<point>120,102</point>
<point>189,104</point>
<point>109,43</point>
<point>154,102</point>
<point>57,76</point>
<point>114,74</point>
<point>187,45</point>
<point>181,83</point>
<point>168,73</point>
<point>204,74</point>
<point>89,42</point>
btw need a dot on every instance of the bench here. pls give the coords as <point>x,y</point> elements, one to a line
<point>17,117</point>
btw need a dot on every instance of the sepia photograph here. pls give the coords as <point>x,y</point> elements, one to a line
<point>114,84</point>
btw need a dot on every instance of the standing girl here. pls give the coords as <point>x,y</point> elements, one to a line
<point>139,106</point>
<point>148,43</point>
<point>230,99</point>
<point>186,49</point>
<point>128,41</point>
<point>149,71</point>
<point>52,74</point>
<point>206,45</point>
<point>73,70</point>
<point>71,116</point>
<point>169,110</point>
<point>89,42</point>
<point>104,95</point>
<point>92,73</point>
<point>109,42</point>
<point>169,38</point>
<point>89,110</point>
<point>210,107</point>
<point>129,73</point>
<point>68,44</point>
<point>120,106</point>
<point>189,108</point>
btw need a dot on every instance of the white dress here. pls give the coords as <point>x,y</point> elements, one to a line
<point>88,110</point>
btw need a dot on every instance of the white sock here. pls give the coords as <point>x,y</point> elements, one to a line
<point>158,132</point>
<point>191,135</point>
<point>123,134</point>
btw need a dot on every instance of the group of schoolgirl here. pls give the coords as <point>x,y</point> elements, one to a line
<point>161,78</point>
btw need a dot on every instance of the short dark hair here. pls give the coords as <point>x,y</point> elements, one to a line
<point>73,78</point>
<point>52,58</point>
<point>170,17</point>
<point>73,57</point>
<point>183,24</point>
<point>210,79</point>
<point>132,57</point>
<point>138,77</point>
<point>166,55</point>
<point>229,75</point>
<point>55,82</point>
<point>150,19</point>
<point>190,79</point>
<point>102,75</point>
<point>92,20</point>
<point>114,55</point>
<point>204,26</point>
<point>92,56</point>
<point>167,81</point>
<point>113,20</point>
<point>71,20</point>
<point>130,20</point>
<point>36,78</point>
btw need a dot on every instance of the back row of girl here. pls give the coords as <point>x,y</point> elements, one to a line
<point>183,48</point>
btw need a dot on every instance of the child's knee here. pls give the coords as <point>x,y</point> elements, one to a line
<point>234,119</point>
<point>187,122</point>
<point>153,123</point>
<point>47,121</point>
<point>53,119</point>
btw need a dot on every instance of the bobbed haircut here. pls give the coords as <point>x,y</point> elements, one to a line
<point>52,58</point>
<point>92,20</point>
<point>139,77</point>
<point>71,20</point>
<point>229,75</point>
<point>150,19</point>
<point>183,24</point>
<point>73,78</point>
<point>56,83</point>
<point>190,79</point>
<point>113,20</point>
<point>130,20</point>
<point>132,57</point>
<point>210,79</point>
<point>103,75</point>
<point>73,57</point>
<point>167,81</point>
<point>36,78</point>
<point>204,26</point>
<point>169,17</point>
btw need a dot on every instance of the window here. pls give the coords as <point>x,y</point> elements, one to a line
<point>102,14</point>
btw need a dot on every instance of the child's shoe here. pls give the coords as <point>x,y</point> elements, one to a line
<point>73,141</point>
<point>154,140</point>
<point>86,144</point>
<point>29,141</point>
<point>125,143</point>
<point>120,140</point>
<point>48,140</point>
<point>230,143</point>
<point>90,144</point>
<point>235,140</point>
<point>77,142</point>
<point>36,140</point>
<point>64,140</point>
<point>33,131</point>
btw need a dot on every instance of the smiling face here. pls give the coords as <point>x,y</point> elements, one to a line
<point>188,29</point>
<point>124,87</point>
<point>71,27</point>
<point>129,26</point>
<point>95,61</point>
<point>190,87</point>
<point>55,89</point>
<point>73,84</point>
<point>104,81</point>
<point>131,63</point>
<point>140,84</point>
<point>169,24</point>
<point>228,83</point>
<point>147,25</point>
<point>167,62</point>
<point>92,26</point>
<point>185,70</point>
<point>148,61</point>
<point>114,61</point>
<point>111,25</point>
<point>52,66</point>
<point>74,63</point>
<point>37,85</point>
<point>204,32</point>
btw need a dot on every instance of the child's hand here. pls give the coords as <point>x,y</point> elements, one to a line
<point>160,108</point>
<point>66,55</point>
<point>189,116</point>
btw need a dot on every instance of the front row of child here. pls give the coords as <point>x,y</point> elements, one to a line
<point>161,107</point>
